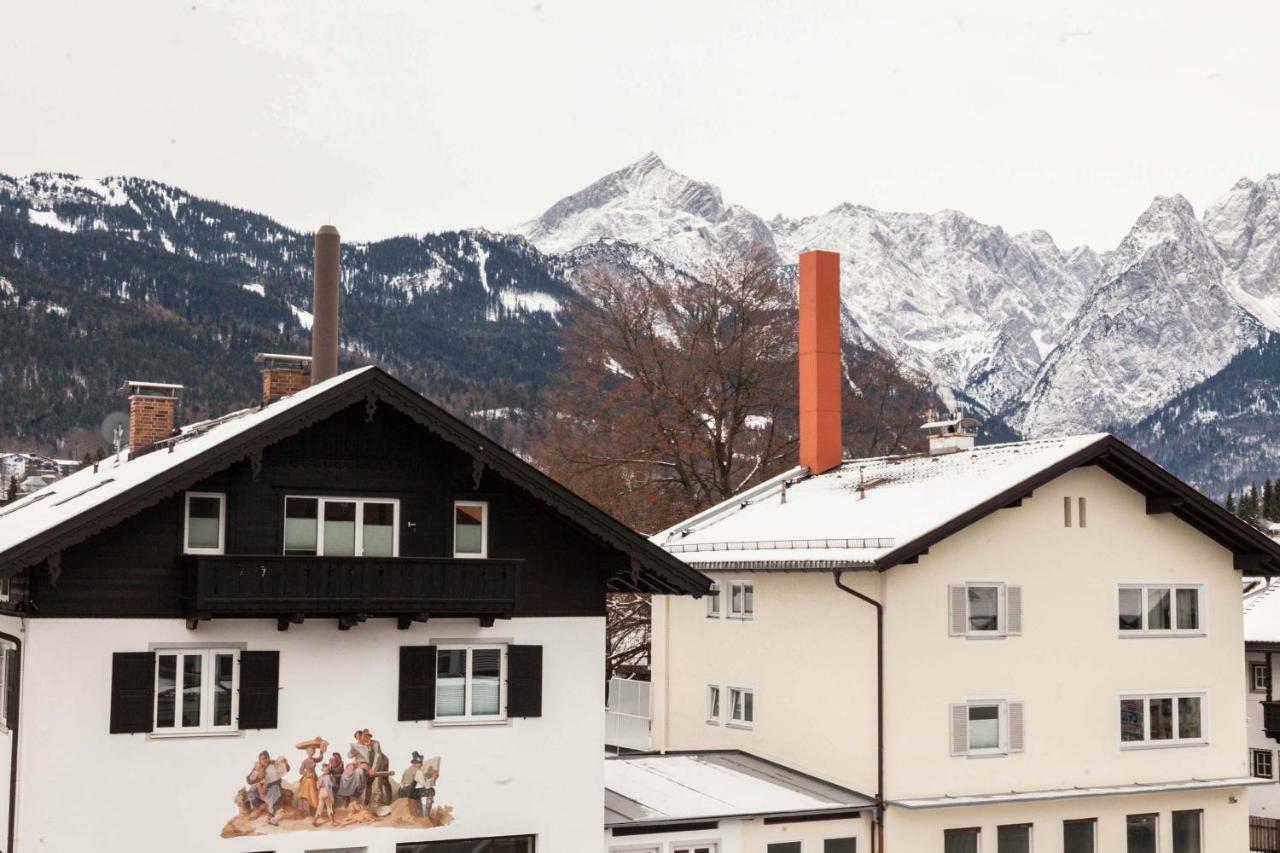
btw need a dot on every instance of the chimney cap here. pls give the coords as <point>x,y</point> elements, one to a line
<point>277,359</point>
<point>151,389</point>
<point>327,229</point>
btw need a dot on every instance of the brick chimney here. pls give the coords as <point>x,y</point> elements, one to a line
<point>283,375</point>
<point>153,410</point>
<point>821,448</point>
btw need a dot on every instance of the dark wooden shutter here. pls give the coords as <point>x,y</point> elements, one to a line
<point>12,672</point>
<point>417,683</point>
<point>259,690</point>
<point>524,681</point>
<point>133,692</point>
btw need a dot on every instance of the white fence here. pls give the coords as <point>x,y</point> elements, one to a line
<point>626,716</point>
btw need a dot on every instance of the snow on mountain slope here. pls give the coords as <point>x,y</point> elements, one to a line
<point>965,302</point>
<point>1163,318</point>
<point>652,206</point>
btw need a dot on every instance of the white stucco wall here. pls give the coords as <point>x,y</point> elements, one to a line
<point>84,789</point>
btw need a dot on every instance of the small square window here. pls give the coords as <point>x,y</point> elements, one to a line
<point>1080,836</point>
<point>1015,838</point>
<point>742,600</point>
<point>1142,831</point>
<point>840,845</point>
<point>205,523</point>
<point>1260,677</point>
<point>713,602</point>
<point>470,683</point>
<point>1261,763</point>
<point>984,727</point>
<point>961,840</point>
<point>471,529</point>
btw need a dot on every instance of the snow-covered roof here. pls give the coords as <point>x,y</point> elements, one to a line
<point>1074,793</point>
<point>676,787</point>
<point>1262,614</point>
<point>116,475</point>
<point>860,512</point>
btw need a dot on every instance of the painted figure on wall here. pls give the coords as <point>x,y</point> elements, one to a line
<point>337,793</point>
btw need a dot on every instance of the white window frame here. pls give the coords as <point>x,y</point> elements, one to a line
<point>730,721</point>
<point>484,530</point>
<point>693,846</point>
<point>1255,668</point>
<point>468,718</point>
<point>1172,743</point>
<point>715,710</point>
<point>1253,763</point>
<point>222,523</point>
<point>207,676</point>
<point>1202,609</point>
<point>715,603</point>
<point>1002,610</point>
<point>744,615</point>
<point>1001,704</point>
<point>360,502</point>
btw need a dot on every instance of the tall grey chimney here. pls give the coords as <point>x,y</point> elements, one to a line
<point>324,305</point>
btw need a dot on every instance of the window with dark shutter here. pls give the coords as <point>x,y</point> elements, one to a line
<point>133,679</point>
<point>417,683</point>
<point>524,681</point>
<point>259,690</point>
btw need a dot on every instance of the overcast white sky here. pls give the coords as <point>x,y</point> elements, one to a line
<point>390,117</point>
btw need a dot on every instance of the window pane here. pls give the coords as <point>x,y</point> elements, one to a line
<point>1188,609</point>
<point>339,529</point>
<point>783,847</point>
<point>451,682</point>
<point>1186,832</point>
<point>379,529</point>
<point>1013,839</point>
<point>468,529</point>
<point>961,841</point>
<point>1189,717</point>
<point>1142,833</point>
<point>735,598</point>
<point>1158,610</point>
<point>1132,726</point>
<point>840,845</point>
<point>300,526</point>
<point>223,668</point>
<point>191,687</point>
<point>1130,610</point>
<point>486,680</point>
<point>1078,836</point>
<point>713,600</point>
<point>1161,718</point>
<point>984,608</point>
<point>166,687</point>
<point>984,727</point>
<point>749,598</point>
<point>203,522</point>
<point>748,704</point>
<point>713,703</point>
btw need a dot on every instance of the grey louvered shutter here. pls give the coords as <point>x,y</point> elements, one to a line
<point>133,692</point>
<point>958,606</point>
<point>959,729</point>
<point>417,683</point>
<point>1017,727</point>
<point>1013,610</point>
<point>524,681</point>
<point>259,690</point>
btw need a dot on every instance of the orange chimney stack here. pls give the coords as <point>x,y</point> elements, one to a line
<point>821,448</point>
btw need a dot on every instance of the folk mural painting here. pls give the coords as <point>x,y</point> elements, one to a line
<point>330,791</point>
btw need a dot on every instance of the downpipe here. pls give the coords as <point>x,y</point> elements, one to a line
<point>877,829</point>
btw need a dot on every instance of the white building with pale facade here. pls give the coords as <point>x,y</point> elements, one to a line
<point>1016,647</point>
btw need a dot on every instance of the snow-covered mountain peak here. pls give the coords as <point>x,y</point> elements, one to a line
<point>651,205</point>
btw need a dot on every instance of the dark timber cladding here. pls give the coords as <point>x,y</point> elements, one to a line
<point>549,552</point>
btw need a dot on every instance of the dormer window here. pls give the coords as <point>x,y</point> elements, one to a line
<point>204,526</point>
<point>341,527</point>
<point>471,529</point>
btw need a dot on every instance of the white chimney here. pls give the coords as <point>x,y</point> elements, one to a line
<point>952,435</point>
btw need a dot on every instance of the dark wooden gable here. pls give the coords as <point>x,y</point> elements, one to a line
<point>135,568</point>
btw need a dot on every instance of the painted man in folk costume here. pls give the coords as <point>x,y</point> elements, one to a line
<point>378,796</point>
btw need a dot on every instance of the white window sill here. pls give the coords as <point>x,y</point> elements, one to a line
<point>464,723</point>
<point>1161,635</point>
<point>713,722</point>
<point>1162,744</point>
<point>740,618</point>
<point>183,735</point>
<point>204,552</point>
<point>742,726</point>
<point>994,753</point>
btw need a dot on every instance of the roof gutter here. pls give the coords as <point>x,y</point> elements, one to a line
<point>877,829</point>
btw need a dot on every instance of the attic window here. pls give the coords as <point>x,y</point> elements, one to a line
<point>471,529</point>
<point>205,524</point>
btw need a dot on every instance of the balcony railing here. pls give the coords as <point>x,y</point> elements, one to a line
<point>280,586</point>
<point>1271,719</point>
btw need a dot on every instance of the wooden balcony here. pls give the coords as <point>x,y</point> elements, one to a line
<point>1271,719</point>
<point>350,589</point>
